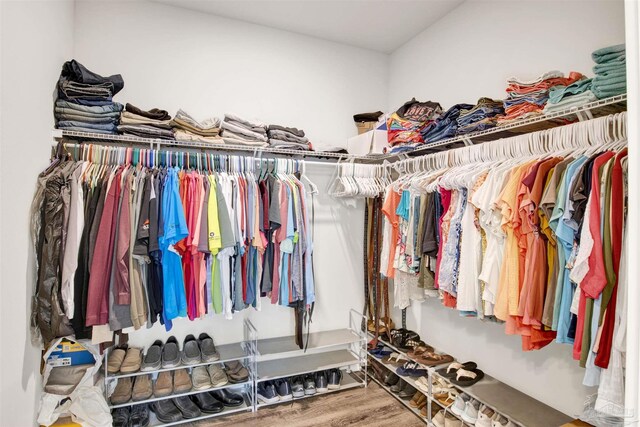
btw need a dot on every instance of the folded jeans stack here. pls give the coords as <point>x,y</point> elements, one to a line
<point>610,71</point>
<point>186,128</point>
<point>85,100</point>
<point>574,95</point>
<point>154,123</point>
<point>239,131</point>
<point>288,138</point>
<point>484,115</point>
<point>527,98</point>
<point>446,126</point>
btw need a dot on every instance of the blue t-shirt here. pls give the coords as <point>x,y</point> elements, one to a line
<point>175,229</point>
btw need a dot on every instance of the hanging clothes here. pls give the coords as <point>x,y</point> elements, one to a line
<point>130,245</point>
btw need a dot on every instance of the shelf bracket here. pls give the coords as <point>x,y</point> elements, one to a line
<point>467,141</point>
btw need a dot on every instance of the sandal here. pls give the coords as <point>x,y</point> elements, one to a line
<point>466,378</point>
<point>410,344</point>
<point>419,350</point>
<point>398,360</point>
<point>434,359</point>
<point>446,399</point>
<point>411,369</point>
<point>450,371</point>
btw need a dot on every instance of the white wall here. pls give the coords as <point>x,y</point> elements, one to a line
<point>174,58</point>
<point>36,39</point>
<point>468,54</point>
<point>473,50</point>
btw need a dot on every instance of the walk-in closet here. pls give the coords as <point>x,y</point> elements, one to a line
<point>319,213</point>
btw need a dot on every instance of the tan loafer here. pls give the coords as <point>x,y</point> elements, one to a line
<point>142,388</point>
<point>132,361</point>
<point>181,381</point>
<point>122,393</point>
<point>115,360</point>
<point>164,384</point>
<point>200,378</point>
<point>217,375</point>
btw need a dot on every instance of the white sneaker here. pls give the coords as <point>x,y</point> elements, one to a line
<point>459,405</point>
<point>470,414</point>
<point>485,417</point>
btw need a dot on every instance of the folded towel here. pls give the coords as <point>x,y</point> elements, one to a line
<point>557,93</point>
<point>570,102</point>
<point>608,53</point>
<point>618,64</point>
<point>240,130</point>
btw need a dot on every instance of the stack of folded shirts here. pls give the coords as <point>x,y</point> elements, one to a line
<point>186,128</point>
<point>484,115</point>
<point>289,138</point>
<point>566,97</point>
<point>610,70</point>
<point>405,124</point>
<point>239,131</point>
<point>527,98</point>
<point>446,126</point>
<point>154,123</point>
<point>85,100</point>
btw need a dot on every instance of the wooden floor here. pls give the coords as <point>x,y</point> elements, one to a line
<point>369,407</point>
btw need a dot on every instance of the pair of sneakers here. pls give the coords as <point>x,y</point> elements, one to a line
<point>466,408</point>
<point>275,391</point>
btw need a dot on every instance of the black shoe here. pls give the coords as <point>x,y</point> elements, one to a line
<point>309,385</point>
<point>297,387</point>
<point>228,398</point>
<point>283,387</point>
<point>187,407</point>
<point>397,387</point>
<point>407,391</point>
<point>391,379</point>
<point>171,353</point>
<point>121,417</point>
<point>267,392</point>
<point>335,377</point>
<point>321,382</point>
<point>166,411</point>
<point>139,416</point>
<point>207,403</point>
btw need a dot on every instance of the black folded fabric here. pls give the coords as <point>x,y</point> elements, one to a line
<point>367,117</point>
<point>154,113</point>
<point>73,71</point>
<point>295,131</point>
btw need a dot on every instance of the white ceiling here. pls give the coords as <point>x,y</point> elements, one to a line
<point>381,25</point>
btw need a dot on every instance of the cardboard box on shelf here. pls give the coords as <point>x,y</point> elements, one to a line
<point>371,142</point>
<point>365,127</point>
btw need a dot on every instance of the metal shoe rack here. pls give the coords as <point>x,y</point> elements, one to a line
<point>270,359</point>
<point>514,405</point>
<point>244,351</point>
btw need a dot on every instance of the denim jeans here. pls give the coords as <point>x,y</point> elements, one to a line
<point>86,119</point>
<point>85,129</point>
<point>95,126</point>
<point>96,109</point>
<point>83,91</point>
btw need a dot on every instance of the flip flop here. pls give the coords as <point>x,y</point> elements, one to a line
<point>466,378</point>
<point>398,360</point>
<point>434,359</point>
<point>450,371</point>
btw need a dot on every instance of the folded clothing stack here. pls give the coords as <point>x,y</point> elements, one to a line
<point>186,128</point>
<point>239,131</point>
<point>528,98</point>
<point>154,123</point>
<point>85,100</point>
<point>564,97</point>
<point>446,126</point>
<point>289,138</point>
<point>610,70</point>
<point>405,124</point>
<point>484,115</point>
